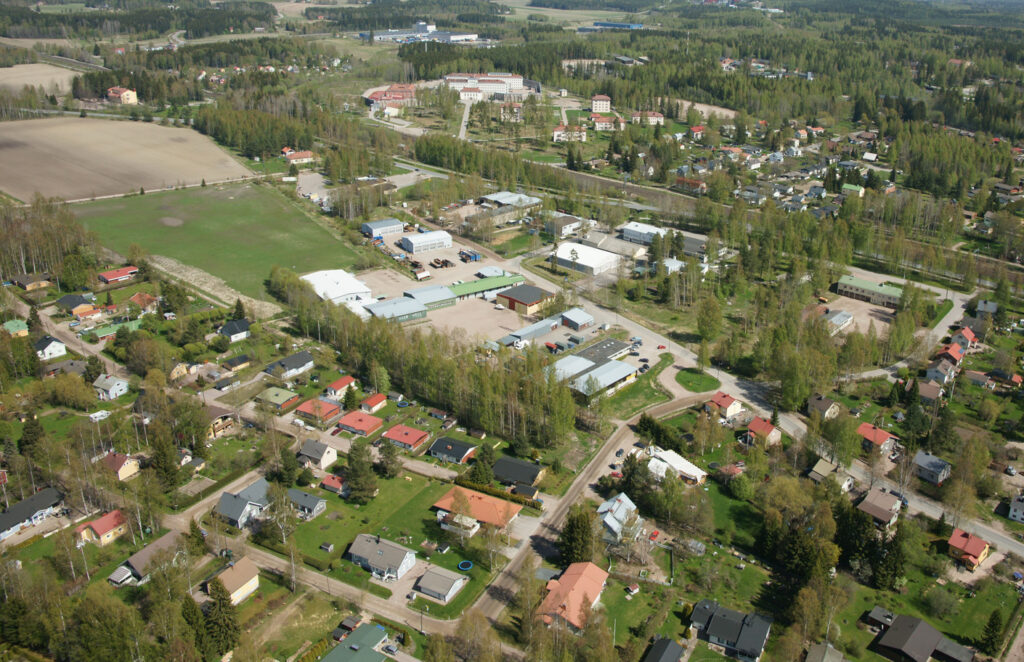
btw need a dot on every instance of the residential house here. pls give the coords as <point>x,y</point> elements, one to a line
<point>235,330</point>
<point>122,96</point>
<point>952,352</point>
<point>1016,509</point>
<point>16,328</point>
<point>929,392</point>
<point>979,378</point>
<point>49,348</point>
<point>987,308</point>
<point>742,635</point>
<point>236,363</point>
<point>335,484</point>
<point>482,509</point>
<point>221,422</point>
<point>761,431</point>
<point>512,471</point>
<point>277,399</point>
<point>822,469</point>
<point>1010,380</point>
<point>360,645</point>
<point>32,282</point>
<point>68,367</point>
<point>726,405</point>
<point>119,275</point>
<point>74,303</point>
<point>883,508</point>
<point>146,302</point>
<point>940,371</point>
<point>305,504</point>
<point>910,638</point>
<point>697,131</point>
<point>827,408</point>
<point>154,556</point>
<point>340,386</point>
<point>441,584</point>
<point>823,653</point>
<point>574,593</point>
<point>873,436</point>
<point>290,366</point>
<point>965,338</point>
<point>374,403</point>
<point>649,118</point>
<point>123,466</point>
<point>968,549</point>
<point>109,387</point>
<point>103,530</point>
<point>241,579</point>
<point>360,423</point>
<point>933,469</point>
<point>317,455</point>
<point>692,186</point>
<point>406,438</point>
<point>385,559</point>
<point>31,511</point>
<point>319,411</point>
<point>300,158</point>
<point>664,650</point>
<point>664,463</point>
<point>620,519</point>
<point>240,509</point>
<point>451,450</point>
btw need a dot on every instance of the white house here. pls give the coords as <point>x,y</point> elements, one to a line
<point>48,348</point>
<point>601,103</point>
<point>385,559</point>
<point>109,387</point>
<point>235,330</point>
<point>317,454</point>
<point>1017,509</point>
<point>564,134</point>
<point>620,519</point>
<point>670,462</point>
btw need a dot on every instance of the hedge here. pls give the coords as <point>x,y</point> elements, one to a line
<point>315,651</point>
<point>501,494</point>
<point>391,625</point>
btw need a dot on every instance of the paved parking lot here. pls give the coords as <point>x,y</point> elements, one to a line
<point>475,320</point>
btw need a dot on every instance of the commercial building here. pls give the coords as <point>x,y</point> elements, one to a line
<point>601,103</point>
<point>383,227</point>
<point>423,242</point>
<point>485,287</point>
<point>338,285</point>
<point>524,299</point>
<point>866,290</point>
<point>586,259</point>
<point>641,233</point>
<point>607,377</point>
<point>577,319</point>
<point>401,309</point>
<point>563,225</point>
<point>420,31</point>
<point>510,199</point>
<point>503,85</point>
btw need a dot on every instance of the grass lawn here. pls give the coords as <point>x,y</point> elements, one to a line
<point>733,515</point>
<point>704,654</point>
<point>942,311</point>
<point>236,233</point>
<point>319,618</point>
<point>642,394</point>
<point>228,454</point>
<point>697,382</point>
<point>627,613</point>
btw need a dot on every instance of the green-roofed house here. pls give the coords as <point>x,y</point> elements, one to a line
<point>107,332</point>
<point>278,398</point>
<point>865,290</point>
<point>17,328</point>
<point>853,189</point>
<point>359,646</point>
<point>484,286</point>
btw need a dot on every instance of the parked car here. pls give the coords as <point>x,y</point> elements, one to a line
<point>616,474</point>
<point>661,347</point>
<point>620,452</point>
<point>654,534</point>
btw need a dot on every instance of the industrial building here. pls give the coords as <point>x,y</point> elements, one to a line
<point>563,225</point>
<point>641,233</point>
<point>426,241</point>
<point>383,227</point>
<point>612,244</point>
<point>337,286</point>
<point>524,299</point>
<point>509,199</point>
<point>432,296</point>
<point>401,309</point>
<point>865,290</point>
<point>421,31</point>
<point>607,377</point>
<point>485,287</point>
<point>586,259</point>
<point>577,319</point>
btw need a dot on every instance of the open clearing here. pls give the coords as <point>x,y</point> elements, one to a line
<point>570,17</point>
<point>234,233</point>
<point>46,76</point>
<point>99,157</point>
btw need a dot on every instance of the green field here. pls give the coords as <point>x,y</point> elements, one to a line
<point>236,233</point>
<point>696,381</point>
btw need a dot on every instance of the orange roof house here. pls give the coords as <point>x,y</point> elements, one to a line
<point>318,411</point>
<point>143,300</point>
<point>406,437</point>
<point>761,429</point>
<point>103,530</point>
<point>482,507</point>
<point>339,386</point>
<point>118,275</point>
<point>358,422</point>
<point>968,549</point>
<point>953,352</point>
<point>374,402</point>
<point>876,437</point>
<point>580,585</point>
<point>728,406</point>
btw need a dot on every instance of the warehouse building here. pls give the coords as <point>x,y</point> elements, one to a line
<point>563,225</point>
<point>607,377</point>
<point>509,199</point>
<point>485,287</point>
<point>865,290</point>
<point>432,296</point>
<point>337,286</point>
<point>570,366</point>
<point>383,227</point>
<point>426,241</point>
<point>401,309</point>
<point>524,299</point>
<point>586,259</point>
<point>577,319</point>
<point>641,233</point>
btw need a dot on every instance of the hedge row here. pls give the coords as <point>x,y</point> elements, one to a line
<point>315,651</point>
<point>462,481</point>
<point>391,625</point>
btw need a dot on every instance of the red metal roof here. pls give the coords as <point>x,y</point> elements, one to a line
<point>760,427</point>
<point>103,525</point>
<point>115,274</point>
<point>969,545</point>
<point>403,434</point>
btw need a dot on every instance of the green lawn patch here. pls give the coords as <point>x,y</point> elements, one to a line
<point>696,381</point>
<point>236,233</point>
<point>642,394</point>
<point>319,618</point>
<point>942,311</point>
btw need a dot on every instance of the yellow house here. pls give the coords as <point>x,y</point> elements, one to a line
<point>123,466</point>
<point>968,549</point>
<point>241,579</point>
<point>103,530</point>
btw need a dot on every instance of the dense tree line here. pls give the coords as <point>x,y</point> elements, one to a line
<point>506,168</point>
<point>388,14</point>
<point>621,5</point>
<point>152,87</point>
<point>38,237</point>
<point>10,56</point>
<point>252,132</point>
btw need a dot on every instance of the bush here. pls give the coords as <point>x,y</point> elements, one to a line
<point>941,602</point>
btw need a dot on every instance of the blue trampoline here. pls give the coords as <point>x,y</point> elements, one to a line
<point>466,566</point>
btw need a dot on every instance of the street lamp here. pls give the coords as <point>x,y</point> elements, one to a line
<point>423,609</point>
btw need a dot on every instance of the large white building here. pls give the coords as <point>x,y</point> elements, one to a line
<point>586,259</point>
<point>421,31</point>
<point>426,241</point>
<point>641,233</point>
<point>337,286</point>
<point>488,84</point>
<point>383,227</point>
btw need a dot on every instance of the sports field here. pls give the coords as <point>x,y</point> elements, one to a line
<point>235,233</point>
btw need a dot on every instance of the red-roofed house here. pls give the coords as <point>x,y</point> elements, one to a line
<point>123,466</point>
<point>407,438</point>
<point>968,548</point>
<point>358,422</point>
<point>727,405</point>
<point>122,95</point>
<point>875,437</point>
<point>697,131</point>
<point>335,484</point>
<point>374,403</point>
<point>580,585</point>
<point>952,352</point>
<point>319,412</point>
<point>298,158</point>
<point>760,429</point>
<point>649,118</point>
<point>337,388</point>
<point>119,275</point>
<point>601,103</point>
<point>483,508</point>
<point>965,338</point>
<point>145,301</point>
<point>103,530</point>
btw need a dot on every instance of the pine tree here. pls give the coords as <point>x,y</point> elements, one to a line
<point>31,435</point>
<point>390,463</point>
<point>239,310</point>
<point>351,399</point>
<point>196,540</point>
<point>992,637</point>
<point>361,480</point>
<point>576,541</point>
<point>35,326</point>
<point>221,619</point>
<point>193,616</point>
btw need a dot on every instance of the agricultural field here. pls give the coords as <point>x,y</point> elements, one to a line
<point>570,17</point>
<point>99,157</point>
<point>234,233</point>
<point>45,76</point>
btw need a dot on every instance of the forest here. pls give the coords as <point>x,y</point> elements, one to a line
<point>393,14</point>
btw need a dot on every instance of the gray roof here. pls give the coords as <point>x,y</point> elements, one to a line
<point>604,350</point>
<point>616,512</point>
<point>45,342</point>
<point>602,377</point>
<point>911,636</point>
<point>69,367</point>
<point>303,500</point>
<point>490,271</point>
<point>578,316</point>
<point>142,560</point>
<point>438,580</point>
<point>747,633</point>
<point>232,506</point>
<point>398,307</point>
<point>664,650</point>
<point>954,651</point>
<point>702,613</point>
<point>383,224</point>
<point>107,382</point>
<point>513,470</point>
<point>926,460</point>
<point>452,447</point>
<point>753,635</point>
<point>570,366</point>
<point>726,625</point>
<point>430,294</point>
<point>26,508</point>
<point>380,551</point>
<point>987,306</point>
<point>313,449</point>
<point>235,326</point>
<point>824,653</point>
<point>293,362</point>
<point>881,615</point>
<point>509,198</point>
<point>528,294</point>
<point>72,301</point>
